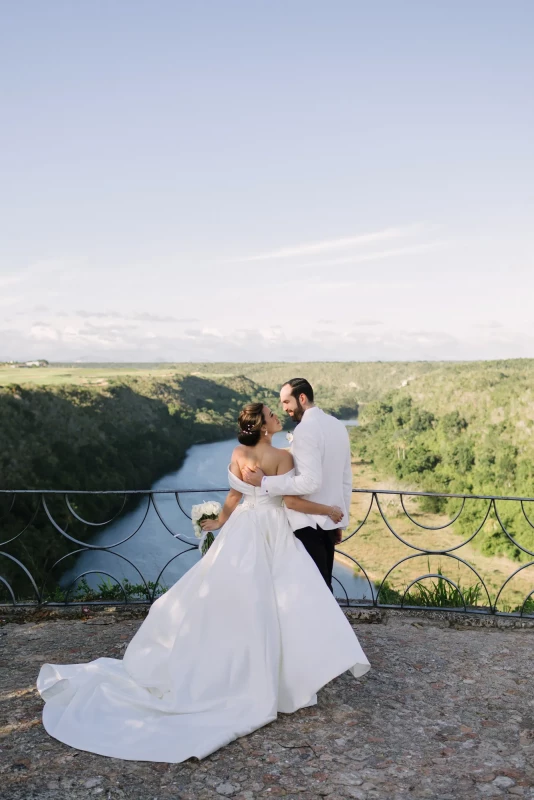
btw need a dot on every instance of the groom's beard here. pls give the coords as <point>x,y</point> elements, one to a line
<point>298,413</point>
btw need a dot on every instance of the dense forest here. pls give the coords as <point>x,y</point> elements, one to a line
<point>121,436</point>
<point>462,429</point>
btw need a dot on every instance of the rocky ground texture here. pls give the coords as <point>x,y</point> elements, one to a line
<point>447,712</point>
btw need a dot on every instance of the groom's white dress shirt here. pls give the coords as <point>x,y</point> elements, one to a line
<point>321,450</point>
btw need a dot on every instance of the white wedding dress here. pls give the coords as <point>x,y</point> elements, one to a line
<point>251,630</point>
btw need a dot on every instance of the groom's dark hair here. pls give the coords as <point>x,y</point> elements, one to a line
<point>300,386</point>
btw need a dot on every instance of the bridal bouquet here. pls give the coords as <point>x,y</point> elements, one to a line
<point>209,510</point>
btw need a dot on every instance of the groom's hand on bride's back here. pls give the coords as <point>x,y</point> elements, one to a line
<point>252,475</point>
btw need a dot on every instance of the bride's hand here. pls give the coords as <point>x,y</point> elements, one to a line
<point>210,524</point>
<point>336,514</point>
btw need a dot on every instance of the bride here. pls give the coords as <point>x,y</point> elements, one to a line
<point>251,630</point>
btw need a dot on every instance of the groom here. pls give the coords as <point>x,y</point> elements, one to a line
<point>321,450</point>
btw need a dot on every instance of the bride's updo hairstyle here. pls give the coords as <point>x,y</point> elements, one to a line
<point>250,421</point>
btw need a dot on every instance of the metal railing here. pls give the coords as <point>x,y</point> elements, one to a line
<point>51,552</point>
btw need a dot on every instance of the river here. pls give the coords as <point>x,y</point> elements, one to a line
<point>205,466</point>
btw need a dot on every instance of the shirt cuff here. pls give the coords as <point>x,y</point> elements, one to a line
<point>263,487</point>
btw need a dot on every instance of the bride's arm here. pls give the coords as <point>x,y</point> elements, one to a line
<point>301,504</point>
<point>230,504</point>
<point>296,503</point>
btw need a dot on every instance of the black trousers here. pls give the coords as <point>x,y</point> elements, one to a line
<point>320,545</point>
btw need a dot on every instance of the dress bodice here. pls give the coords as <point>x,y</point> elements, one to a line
<point>253,496</point>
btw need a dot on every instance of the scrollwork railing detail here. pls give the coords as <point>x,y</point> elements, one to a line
<point>160,519</point>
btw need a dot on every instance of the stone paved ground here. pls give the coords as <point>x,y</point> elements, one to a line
<point>445,713</point>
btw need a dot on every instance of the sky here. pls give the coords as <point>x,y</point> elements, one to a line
<point>266,180</point>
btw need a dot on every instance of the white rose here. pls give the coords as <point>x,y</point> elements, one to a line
<point>207,509</point>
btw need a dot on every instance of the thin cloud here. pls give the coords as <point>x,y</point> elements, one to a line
<point>10,280</point>
<point>209,333</point>
<point>39,270</point>
<point>136,316</point>
<point>321,334</point>
<point>99,314</point>
<point>379,255</point>
<point>44,333</point>
<point>492,324</point>
<point>316,281</point>
<point>426,337</point>
<point>145,316</point>
<point>329,245</point>
<point>89,328</point>
<point>253,345</point>
<point>318,285</point>
<point>10,300</point>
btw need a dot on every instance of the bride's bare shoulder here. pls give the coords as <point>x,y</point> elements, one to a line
<point>285,462</point>
<point>238,458</point>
